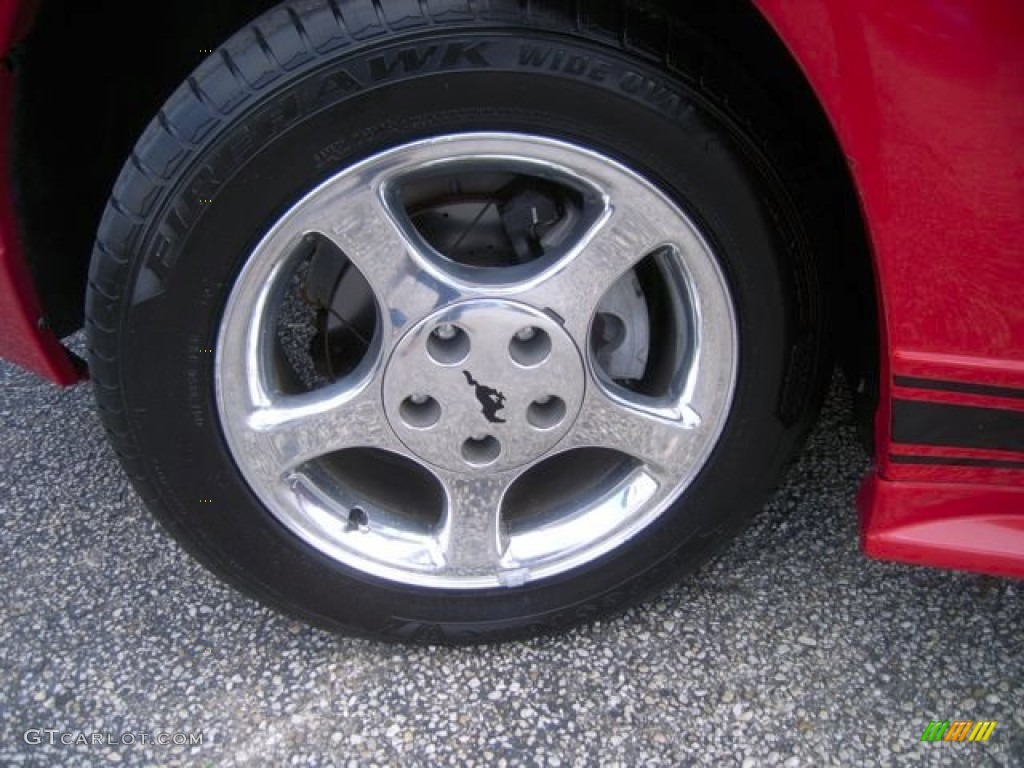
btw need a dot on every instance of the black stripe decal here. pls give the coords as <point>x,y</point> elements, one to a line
<point>960,426</point>
<point>956,462</point>
<point>959,386</point>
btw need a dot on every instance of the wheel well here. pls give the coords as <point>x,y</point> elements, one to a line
<point>90,76</point>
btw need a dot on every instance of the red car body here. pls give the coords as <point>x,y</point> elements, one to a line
<point>926,100</point>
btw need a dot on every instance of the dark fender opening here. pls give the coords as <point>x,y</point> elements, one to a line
<point>89,77</point>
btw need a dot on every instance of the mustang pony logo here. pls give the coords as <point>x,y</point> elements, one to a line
<point>491,400</point>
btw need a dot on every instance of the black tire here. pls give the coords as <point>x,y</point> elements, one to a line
<point>313,87</point>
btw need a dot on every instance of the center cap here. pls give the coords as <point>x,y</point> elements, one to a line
<point>483,385</point>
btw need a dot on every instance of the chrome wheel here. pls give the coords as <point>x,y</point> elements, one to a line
<point>476,361</point>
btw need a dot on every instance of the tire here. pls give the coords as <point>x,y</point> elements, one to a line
<point>372,276</point>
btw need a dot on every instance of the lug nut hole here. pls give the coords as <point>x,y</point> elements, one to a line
<point>448,344</point>
<point>420,412</point>
<point>546,413</point>
<point>481,451</point>
<point>530,347</point>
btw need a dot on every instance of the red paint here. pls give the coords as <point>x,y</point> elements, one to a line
<point>953,473</point>
<point>957,398</point>
<point>22,341</point>
<point>992,371</point>
<point>927,101</point>
<point>967,527</point>
<point>912,449</point>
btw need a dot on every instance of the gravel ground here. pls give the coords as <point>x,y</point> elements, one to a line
<point>791,649</point>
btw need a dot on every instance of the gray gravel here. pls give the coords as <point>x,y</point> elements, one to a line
<point>791,649</point>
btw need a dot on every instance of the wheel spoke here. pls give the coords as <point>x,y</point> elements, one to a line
<point>471,539</point>
<point>354,215</point>
<point>660,437</point>
<point>291,430</point>
<point>621,237</point>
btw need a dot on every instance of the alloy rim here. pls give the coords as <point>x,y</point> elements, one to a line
<point>519,354</point>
